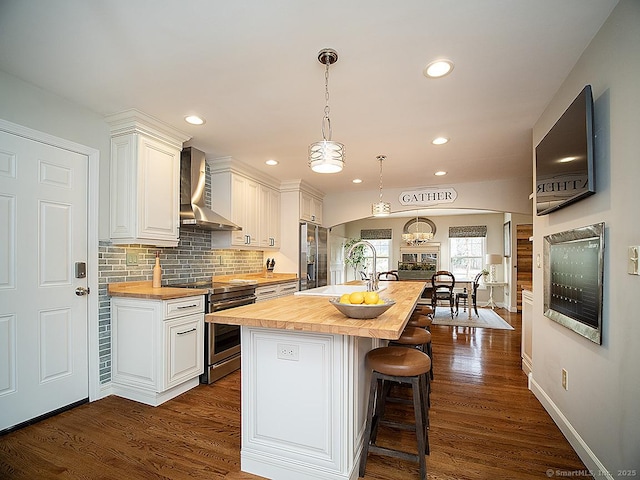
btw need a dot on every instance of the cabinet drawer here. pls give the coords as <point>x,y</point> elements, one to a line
<point>183,306</point>
<point>266,293</point>
<point>288,288</point>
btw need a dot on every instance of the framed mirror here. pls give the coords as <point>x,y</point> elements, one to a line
<point>420,224</point>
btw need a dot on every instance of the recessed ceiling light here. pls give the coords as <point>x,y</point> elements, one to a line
<point>194,120</point>
<point>567,159</point>
<point>440,173</point>
<point>357,180</point>
<point>271,162</point>
<point>440,140</point>
<point>438,68</point>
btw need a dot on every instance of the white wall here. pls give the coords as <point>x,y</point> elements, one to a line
<point>27,105</point>
<point>600,412</point>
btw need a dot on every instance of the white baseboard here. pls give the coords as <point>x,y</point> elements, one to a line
<point>589,458</point>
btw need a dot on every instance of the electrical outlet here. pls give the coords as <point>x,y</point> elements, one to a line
<point>132,259</point>
<point>565,379</point>
<point>288,352</point>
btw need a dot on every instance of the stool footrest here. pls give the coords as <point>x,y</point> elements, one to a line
<point>398,425</point>
<point>389,452</point>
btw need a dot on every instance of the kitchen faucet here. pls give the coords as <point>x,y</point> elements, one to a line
<point>372,282</point>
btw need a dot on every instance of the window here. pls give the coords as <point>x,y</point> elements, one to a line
<point>383,247</point>
<point>466,256</point>
<point>380,238</point>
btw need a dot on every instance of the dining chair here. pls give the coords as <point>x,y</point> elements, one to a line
<point>442,283</point>
<point>389,276</point>
<point>474,295</point>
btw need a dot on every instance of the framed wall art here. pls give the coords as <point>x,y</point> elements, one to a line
<point>573,274</point>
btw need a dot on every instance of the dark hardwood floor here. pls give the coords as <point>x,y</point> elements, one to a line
<point>485,424</point>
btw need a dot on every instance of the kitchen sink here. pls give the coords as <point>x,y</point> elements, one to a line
<point>335,290</point>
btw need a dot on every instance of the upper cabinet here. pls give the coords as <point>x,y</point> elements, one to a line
<point>144,180</point>
<point>248,200</point>
<point>270,229</point>
<point>310,208</point>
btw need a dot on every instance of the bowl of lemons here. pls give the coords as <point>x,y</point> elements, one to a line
<point>362,305</point>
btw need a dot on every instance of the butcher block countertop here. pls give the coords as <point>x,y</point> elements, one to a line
<point>316,314</point>
<point>145,290</point>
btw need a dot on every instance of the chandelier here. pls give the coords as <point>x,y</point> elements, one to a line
<point>326,156</point>
<point>417,237</point>
<point>380,208</point>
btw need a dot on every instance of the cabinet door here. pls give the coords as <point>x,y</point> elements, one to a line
<point>310,208</point>
<point>145,187</point>
<point>244,208</point>
<point>269,207</point>
<point>135,334</point>
<point>316,210</point>
<point>159,183</point>
<point>184,342</point>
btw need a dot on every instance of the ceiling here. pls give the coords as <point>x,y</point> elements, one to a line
<point>250,69</point>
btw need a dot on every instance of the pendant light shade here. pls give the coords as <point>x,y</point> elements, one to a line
<point>326,156</point>
<point>380,208</point>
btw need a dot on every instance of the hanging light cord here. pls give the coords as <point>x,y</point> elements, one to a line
<point>381,158</point>
<point>326,121</point>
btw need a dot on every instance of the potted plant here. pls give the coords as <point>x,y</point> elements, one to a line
<point>485,274</point>
<point>356,259</point>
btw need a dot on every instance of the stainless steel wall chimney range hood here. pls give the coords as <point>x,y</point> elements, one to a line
<point>193,211</point>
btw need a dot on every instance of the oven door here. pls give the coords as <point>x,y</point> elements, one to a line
<point>223,342</point>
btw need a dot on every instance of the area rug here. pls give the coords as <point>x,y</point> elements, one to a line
<point>487,319</point>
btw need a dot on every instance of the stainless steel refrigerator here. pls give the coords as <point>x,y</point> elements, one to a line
<point>313,256</point>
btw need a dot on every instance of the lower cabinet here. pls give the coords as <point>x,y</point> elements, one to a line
<point>157,347</point>
<point>269,292</point>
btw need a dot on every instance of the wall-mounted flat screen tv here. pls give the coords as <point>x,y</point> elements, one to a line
<point>565,158</point>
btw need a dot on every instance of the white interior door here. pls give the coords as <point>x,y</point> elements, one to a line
<point>336,262</point>
<point>43,323</point>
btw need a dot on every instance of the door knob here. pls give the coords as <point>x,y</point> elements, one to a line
<point>80,291</point>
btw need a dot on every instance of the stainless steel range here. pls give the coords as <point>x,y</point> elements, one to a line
<point>222,342</point>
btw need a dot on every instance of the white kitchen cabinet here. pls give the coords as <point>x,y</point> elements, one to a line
<point>269,223</point>
<point>310,208</point>
<point>250,203</point>
<point>269,292</point>
<point>145,180</point>
<point>158,347</point>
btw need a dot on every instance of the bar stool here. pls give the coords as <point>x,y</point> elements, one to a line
<point>416,337</point>
<point>419,320</point>
<point>424,310</point>
<point>403,365</point>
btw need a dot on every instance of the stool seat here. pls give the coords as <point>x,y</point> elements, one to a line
<point>421,321</point>
<point>424,310</point>
<point>414,336</point>
<point>398,361</point>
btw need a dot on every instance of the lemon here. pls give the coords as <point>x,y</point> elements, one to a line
<point>380,302</point>
<point>356,298</point>
<point>371,298</point>
<point>345,298</point>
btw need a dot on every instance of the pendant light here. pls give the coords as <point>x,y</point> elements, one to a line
<point>381,209</point>
<point>326,156</point>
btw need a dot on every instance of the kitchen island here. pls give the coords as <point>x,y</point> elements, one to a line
<point>304,381</point>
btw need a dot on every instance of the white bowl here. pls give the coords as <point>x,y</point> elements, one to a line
<point>362,311</point>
